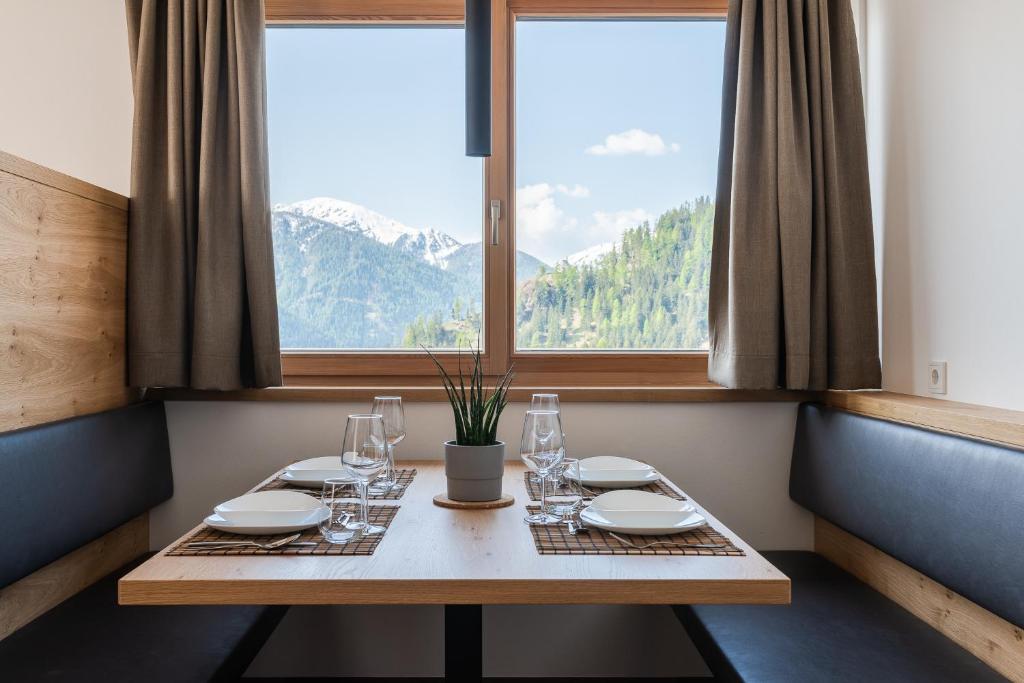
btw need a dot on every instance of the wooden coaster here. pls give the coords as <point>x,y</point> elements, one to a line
<point>444,501</point>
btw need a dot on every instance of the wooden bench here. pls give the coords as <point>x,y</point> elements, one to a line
<point>66,484</point>
<point>933,520</point>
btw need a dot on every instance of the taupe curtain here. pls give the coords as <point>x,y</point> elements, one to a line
<point>202,304</point>
<point>792,300</point>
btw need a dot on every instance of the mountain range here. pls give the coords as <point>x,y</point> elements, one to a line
<point>428,244</point>
<point>349,277</point>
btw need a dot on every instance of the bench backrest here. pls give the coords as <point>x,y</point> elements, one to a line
<point>948,506</point>
<point>67,483</point>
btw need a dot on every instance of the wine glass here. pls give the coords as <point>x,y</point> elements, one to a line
<point>364,453</point>
<point>542,448</point>
<point>390,408</point>
<point>546,402</point>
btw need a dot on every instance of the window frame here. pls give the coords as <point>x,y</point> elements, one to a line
<point>557,368</point>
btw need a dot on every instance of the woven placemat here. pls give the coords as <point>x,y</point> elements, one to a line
<point>556,540</point>
<point>382,515</point>
<point>589,492</point>
<point>405,478</point>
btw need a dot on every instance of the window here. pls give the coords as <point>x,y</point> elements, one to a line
<point>606,119</point>
<point>376,216</point>
<point>616,153</point>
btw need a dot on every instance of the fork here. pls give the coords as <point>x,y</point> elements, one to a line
<point>644,546</point>
<point>272,545</point>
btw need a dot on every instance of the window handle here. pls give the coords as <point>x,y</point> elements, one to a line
<point>495,217</point>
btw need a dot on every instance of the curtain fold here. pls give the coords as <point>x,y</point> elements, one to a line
<point>202,301</point>
<point>793,294</point>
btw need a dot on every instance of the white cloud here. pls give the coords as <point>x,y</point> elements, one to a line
<point>633,141</point>
<point>545,230</point>
<point>537,215</point>
<point>609,225</point>
<point>576,191</point>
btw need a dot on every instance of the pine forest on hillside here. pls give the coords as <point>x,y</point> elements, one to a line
<point>649,292</point>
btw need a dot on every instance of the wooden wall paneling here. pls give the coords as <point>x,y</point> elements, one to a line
<point>63,248</point>
<point>988,637</point>
<point>47,176</point>
<point>24,600</point>
<point>980,422</point>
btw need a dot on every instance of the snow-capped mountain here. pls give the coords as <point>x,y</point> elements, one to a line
<point>303,230</point>
<point>590,255</point>
<point>433,246</point>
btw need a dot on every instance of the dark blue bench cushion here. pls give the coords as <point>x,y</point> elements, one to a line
<point>837,629</point>
<point>90,638</point>
<point>948,506</point>
<point>67,483</point>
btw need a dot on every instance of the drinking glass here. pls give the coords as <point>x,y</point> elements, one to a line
<point>541,447</point>
<point>544,402</point>
<point>335,528</point>
<point>567,494</point>
<point>389,408</point>
<point>364,453</point>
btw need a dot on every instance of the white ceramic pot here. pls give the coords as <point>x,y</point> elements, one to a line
<point>474,472</point>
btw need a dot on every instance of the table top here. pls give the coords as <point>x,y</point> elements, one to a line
<point>435,555</point>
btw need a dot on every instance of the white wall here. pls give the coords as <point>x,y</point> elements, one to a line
<point>65,87</point>
<point>945,105</point>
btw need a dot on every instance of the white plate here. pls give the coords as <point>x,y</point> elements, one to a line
<point>640,512</point>
<point>314,471</point>
<point>269,508</point>
<point>255,528</point>
<point>612,471</point>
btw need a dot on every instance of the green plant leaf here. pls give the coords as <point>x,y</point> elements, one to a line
<point>475,412</point>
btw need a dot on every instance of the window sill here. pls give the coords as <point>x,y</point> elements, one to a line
<point>420,394</point>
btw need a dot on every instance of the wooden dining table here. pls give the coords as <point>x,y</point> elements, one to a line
<point>461,559</point>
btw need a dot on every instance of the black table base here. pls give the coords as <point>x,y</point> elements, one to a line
<point>463,642</point>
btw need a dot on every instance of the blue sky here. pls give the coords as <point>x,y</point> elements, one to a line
<point>617,121</point>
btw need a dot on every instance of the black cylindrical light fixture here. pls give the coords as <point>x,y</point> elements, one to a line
<point>478,78</point>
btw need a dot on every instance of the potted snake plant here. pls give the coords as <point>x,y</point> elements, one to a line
<point>474,461</point>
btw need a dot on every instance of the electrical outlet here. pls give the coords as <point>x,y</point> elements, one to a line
<point>937,377</point>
